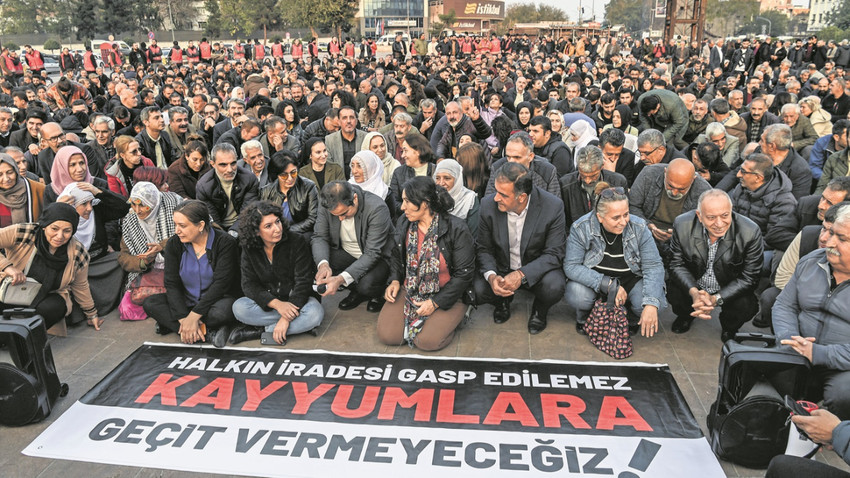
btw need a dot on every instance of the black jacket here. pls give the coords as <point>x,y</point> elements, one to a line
<point>289,277</point>
<point>458,249</point>
<point>766,206</point>
<point>543,175</point>
<point>401,175</point>
<point>303,201</point>
<point>543,243</point>
<point>149,147</point>
<point>245,190</point>
<point>805,214</point>
<point>557,153</point>
<point>222,258</point>
<point>182,180</point>
<point>576,201</point>
<point>737,264</point>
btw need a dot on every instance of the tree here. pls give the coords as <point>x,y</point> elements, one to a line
<point>117,17</point>
<point>52,44</point>
<point>635,15</point>
<point>778,24</point>
<point>247,16</point>
<point>726,16</point>
<point>530,13</point>
<point>213,28</point>
<point>333,15</point>
<point>27,16</point>
<point>85,20</point>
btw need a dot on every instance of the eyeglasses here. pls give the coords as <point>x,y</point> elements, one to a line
<point>55,138</point>
<point>134,151</point>
<point>647,153</point>
<point>612,193</point>
<point>744,171</point>
<point>292,174</point>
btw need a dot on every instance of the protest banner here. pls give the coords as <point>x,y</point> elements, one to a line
<point>265,412</point>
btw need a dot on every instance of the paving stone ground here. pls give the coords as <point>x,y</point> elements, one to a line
<point>85,356</point>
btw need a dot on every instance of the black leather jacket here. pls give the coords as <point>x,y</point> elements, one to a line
<point>245,191</point>
<point>737,265</point>
<point>303,202</point>
<point>458,249</point>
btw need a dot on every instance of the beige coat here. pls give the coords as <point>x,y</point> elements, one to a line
<point>18,242</point>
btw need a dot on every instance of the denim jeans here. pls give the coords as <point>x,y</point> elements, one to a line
<point>581,299</point>
<point>248,312</point>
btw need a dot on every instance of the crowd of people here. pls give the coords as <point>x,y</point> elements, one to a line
<point>449,173</point>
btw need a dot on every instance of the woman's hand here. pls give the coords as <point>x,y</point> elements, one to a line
<point>426,307</point>
<point>648,321</point>
<point>89,187</point>
<point>67,200</point>
<point>287,310</point>
<point>17,276</point>
<point>392,291</point>
<point>190,329</point>
<point>280,329</point>
<point>622,296</point>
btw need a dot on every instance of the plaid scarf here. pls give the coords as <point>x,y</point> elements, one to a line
<point>423,275</point>
<point>136,239</point>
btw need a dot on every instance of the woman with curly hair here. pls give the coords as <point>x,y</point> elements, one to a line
<point>277,278</point>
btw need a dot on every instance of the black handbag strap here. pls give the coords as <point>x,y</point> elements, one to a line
<point>613,288</point>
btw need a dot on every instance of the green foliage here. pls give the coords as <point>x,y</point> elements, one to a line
<point>833,32</point>
<point>246,16</point>
<point>86,19</point>
<point>635,15</point>
<point>213,28</point>
<point>28,16</point>
<point>334,16</point>
<point>52,44</point>
<point>726,16</point>
<point>778,24</point>
<point>528,12</point>
<point>11,45</point>
<point>840,17</point>
<point>117,16</point>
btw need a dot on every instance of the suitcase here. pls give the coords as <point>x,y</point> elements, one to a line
<point>748,423</point>
<point>29,386</point>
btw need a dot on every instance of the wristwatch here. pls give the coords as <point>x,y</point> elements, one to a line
<point>524,280</point>
<point>718,300</point>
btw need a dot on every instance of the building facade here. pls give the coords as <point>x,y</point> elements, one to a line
<point>379,17</point>
<point>472,16</point>
<point>819,11</point>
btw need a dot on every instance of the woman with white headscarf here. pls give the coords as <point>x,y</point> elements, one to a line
<point>367,171</point>
<point>96,207</point>
<point>581,134</point>
<point>449,174</point>
<point>376,143</point>
<point>145,230</point>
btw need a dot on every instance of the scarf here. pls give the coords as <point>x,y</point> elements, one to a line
<point>373,170</point>
<point>585,132</point>
<point>156,227</point>
<point>390,163</point>
<point>464,198</point>
<point>16,197</point>
<point>422,278</point>
<point>625,117</point>
<point>46,267</point>
<point>86,228</point>
<point>59,175</point>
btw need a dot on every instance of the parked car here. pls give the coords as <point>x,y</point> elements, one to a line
<point>389,38</point>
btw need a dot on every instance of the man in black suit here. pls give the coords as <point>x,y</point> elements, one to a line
<point>7,126</point>
<point>235,109</point>
<point>520,250</point>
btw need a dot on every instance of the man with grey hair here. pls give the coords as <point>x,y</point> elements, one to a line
<point>427,118</point>
<point>402,124</point>
<point>179,129</point>
<point>803,134</point>
<point>716,261</point>
<point>255,160</point>
<point>101,146</point>
<point>728,144</point>
<point>18,155</point>
<point>227,188</point>
<point>578,188</point>
<point>277,137</point>
<point>653,149</point>
<point>817,294</point>
<point>461,124</point>
<point>520,149</point>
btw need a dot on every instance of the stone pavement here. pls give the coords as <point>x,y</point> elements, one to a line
<point>86,356</point>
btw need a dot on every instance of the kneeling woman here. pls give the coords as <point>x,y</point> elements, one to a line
<point>432,266</point>
<point>609,243</point>
<point>201,263</point>
<point>277,278</point>
<point>48,253</point>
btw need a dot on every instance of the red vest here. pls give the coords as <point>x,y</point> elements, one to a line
<point>297,50</point>
<point>206,51</point>
<point>34,60</point>
<point>238,51</point>
<point>277,50</point>
<point>192,53</point>
<point>176,55</point>
<point>155,53</point>
<point>11,66</point>
<point>88,62</point>
<point>259,52</point>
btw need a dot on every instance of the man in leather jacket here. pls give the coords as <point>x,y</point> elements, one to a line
<point>716,262</point>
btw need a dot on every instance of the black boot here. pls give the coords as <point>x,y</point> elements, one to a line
<point>243,333</point>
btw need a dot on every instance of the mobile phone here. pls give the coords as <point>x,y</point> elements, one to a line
<point>795,407</point>
<point>203,328</point>
<point>268,339</point>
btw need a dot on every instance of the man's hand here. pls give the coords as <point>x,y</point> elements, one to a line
<point>474,114</point>
<point>802,345</point>
<point>660,234</point>
<point>426,123</point>
<point>497,284</point>
<point>819,426</point>
<point>323,273</point>
<point>513,281</point>
<point>333,284</point>
<point>280,329</point>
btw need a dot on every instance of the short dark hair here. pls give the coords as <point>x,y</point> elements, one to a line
<point>195,211</point>
<point>543,121</point>
<point>423,189</point>
<point>649,103</point>
<point>516,174</point>
<point>831,214</point>
<point>420,144</point>
<point>336,193</point>
<point>279,161</point>
<point>840,127</point>
<point>762,164</point>
<point>613,136</point>
<point>840,184</point>
<point>719,106</point>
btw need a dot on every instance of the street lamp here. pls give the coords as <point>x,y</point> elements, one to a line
<point>769,24</point>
